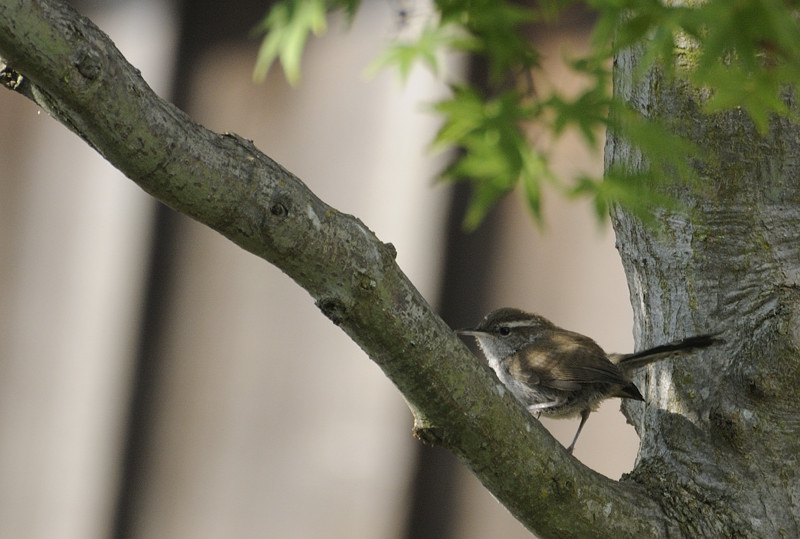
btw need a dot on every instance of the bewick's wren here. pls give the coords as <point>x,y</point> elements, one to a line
<point>561,373</point>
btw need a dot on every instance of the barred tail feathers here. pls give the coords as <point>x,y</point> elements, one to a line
<point>665,351</point>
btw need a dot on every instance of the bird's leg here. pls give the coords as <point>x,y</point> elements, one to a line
<point>584,416</point>
<point>539,406</point>
<point>536,409</point>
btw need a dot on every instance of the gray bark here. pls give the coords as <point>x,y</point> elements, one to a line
<point>720,440</point>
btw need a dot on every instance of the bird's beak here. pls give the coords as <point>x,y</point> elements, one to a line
<point>471,332</point>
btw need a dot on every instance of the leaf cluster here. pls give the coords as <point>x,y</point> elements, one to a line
<point>286,29</point>
<point>744,53</point>
<point>747,52</point>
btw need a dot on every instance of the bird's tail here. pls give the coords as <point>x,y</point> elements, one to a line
<point>628,362</point>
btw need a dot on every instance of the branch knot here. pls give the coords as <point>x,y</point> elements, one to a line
<point>88,63</point>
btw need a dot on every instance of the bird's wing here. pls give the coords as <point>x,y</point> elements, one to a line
<point>566,362</point>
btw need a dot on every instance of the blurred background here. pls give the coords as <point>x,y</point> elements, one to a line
<point>158,381</point>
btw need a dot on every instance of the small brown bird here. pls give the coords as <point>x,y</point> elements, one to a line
<point>561,373</point>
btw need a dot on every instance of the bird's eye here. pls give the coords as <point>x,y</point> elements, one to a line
<point>504,330</point>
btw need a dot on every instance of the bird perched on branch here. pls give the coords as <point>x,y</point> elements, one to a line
<point>560,373</point>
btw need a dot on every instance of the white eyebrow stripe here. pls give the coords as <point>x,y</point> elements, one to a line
<point>522,323</point>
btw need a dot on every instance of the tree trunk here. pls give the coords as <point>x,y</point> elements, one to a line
<point>719,435</point>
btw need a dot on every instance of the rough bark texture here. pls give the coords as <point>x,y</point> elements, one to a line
<point>720,440</point>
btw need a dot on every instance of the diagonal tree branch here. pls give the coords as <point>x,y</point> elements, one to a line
<point>72,69</point>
